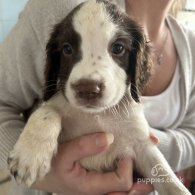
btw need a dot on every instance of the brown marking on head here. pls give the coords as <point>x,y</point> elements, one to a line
<point>58,65</point>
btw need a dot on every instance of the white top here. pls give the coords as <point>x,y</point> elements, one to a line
<point>162,115</point>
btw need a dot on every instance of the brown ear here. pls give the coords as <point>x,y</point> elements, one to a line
<point>144,66</point>
<point>52,66</point>
<point>140,58</point>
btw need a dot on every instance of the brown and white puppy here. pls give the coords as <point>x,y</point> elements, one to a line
<point>97,63</point>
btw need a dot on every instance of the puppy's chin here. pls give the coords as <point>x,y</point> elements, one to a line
<point>93,106</point>
<point>91,109</point>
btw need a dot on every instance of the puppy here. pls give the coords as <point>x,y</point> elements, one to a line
<point>97,65</point>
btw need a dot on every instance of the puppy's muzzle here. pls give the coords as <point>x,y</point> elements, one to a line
<point>88,90</point>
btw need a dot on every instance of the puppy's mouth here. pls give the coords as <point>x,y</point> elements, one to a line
<point>92,104</point>
<point>95,104</point>
<point>94,96</point>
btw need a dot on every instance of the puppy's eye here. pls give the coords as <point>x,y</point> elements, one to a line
<point>67,49</point>
<point>117,48</point>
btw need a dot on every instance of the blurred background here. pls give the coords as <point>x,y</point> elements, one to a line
<point>9,11</point>
<point>187,16</point>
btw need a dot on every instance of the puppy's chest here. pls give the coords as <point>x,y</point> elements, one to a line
<point>127,129</point>
<point>81,124</point>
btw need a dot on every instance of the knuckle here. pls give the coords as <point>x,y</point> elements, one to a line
<point>126,184</point>
<point>81,145</point>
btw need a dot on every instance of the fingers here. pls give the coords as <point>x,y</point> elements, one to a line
<point>119,193</point>
<point>70,153</point>
<point>119,181</point>
<point>141,188</point>
<point>125,169</point>
<point>154,139</point>
<point>84,146</point>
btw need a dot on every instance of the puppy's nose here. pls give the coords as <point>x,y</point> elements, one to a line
<point>88,89</point>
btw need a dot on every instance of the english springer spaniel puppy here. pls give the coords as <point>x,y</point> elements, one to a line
<point>97,66</point>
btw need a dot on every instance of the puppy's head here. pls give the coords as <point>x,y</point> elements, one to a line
<point>95,55</point>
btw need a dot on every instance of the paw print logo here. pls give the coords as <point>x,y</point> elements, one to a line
<point>159,171</point>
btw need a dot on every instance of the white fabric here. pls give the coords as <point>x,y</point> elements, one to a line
<point>163,109</point>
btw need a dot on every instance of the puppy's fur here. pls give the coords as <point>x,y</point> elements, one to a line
<point>97,64</point>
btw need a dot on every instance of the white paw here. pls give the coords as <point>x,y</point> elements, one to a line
<point>31,157</point>
<point>29,164</point>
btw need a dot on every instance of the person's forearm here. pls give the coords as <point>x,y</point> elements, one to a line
<point>10,128</point>
<point>178,147</point>
<point>8,138</point>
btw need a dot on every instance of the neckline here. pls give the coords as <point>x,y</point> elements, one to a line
<point>170,86</point>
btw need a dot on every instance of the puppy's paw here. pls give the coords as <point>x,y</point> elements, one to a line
<point>28,165</point>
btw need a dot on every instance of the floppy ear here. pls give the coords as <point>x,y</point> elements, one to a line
<point>140,58</point>
<point>52,66</point>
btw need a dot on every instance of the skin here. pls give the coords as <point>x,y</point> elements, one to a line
<point>66,175</point>
<point>156,31</point>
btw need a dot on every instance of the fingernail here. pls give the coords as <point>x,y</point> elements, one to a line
<point>103,141</point>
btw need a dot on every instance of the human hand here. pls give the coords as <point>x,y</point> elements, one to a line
<point>138,187</point>
<point>153,138</point>
<point>141,189</point>
<point>67,176</point>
